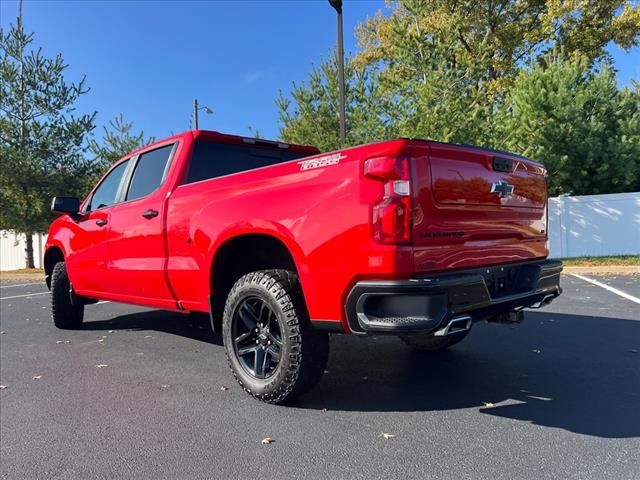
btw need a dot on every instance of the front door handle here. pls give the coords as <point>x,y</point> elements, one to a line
<point>101,222</point>
<point>150,213</point>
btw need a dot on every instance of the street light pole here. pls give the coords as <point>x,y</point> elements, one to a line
<point>196,109</point>
<point>337,5</point>
<point>195,113</point>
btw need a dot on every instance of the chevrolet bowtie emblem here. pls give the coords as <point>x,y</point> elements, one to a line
<point>502,188</point>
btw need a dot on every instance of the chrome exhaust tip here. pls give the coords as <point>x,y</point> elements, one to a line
<point>455,325</point>
<point>545,301</point>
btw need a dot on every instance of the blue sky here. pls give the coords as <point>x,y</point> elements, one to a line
<point>149,59</point>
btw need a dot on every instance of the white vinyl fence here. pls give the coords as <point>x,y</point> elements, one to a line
<point>589,226</point>
<point>594,225</point>
<point>12,254</point>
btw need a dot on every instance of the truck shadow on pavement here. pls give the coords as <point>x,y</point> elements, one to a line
<point>577,373</point>
<point>195,326</point>
<point>573,372</point>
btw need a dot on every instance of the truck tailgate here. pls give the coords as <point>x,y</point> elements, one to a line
<point>475,207</point>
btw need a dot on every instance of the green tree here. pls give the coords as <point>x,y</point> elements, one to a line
<point>41,138</point>
<point>449,65</point>
<point>574,119</point>
<point>310,114</point>
<point>630,127</point>
<point>117,141</point>
<point>452,70</point>
<point>498,36</point>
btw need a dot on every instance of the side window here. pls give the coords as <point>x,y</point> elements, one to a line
<point>105,194</point>
<point>149,172</point>
<point>210,160</point>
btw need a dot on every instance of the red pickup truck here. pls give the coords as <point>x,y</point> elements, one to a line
<point>281,245</point>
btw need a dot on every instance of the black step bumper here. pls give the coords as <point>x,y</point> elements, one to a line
<point>428,303</point>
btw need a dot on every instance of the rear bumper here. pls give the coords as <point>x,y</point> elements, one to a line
<point>428,303</point>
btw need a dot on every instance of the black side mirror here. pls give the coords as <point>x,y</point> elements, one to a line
<point>69,205</point>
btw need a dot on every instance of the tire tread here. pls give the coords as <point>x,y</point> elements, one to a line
<point>65,315</point>
<point>309,348</point>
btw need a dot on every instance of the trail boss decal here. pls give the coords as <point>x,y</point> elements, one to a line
<point>320,162</point>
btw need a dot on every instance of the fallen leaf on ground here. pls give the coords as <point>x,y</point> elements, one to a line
<point>139,353</point>
<point>102,365</point>
<point>112,331</point>
<point>59,341</point>
<point>165,386</point>
<point>224,388</point>
<point>365,378</point>
<point>267,441</point>
<point>387,436</point>
<point>2,332</point>
<point>535,350</point>
<point>101,340</point>
<point>488,404</point>
<point>324,409</point>
<point>148,336</point>
<point>37,377</point>
<point>2,387</point>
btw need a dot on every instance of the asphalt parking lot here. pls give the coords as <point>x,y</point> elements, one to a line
<point>147,394</point>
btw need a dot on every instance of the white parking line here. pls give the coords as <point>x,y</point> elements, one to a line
<point>20,285</point>
<point>607,287</point>
<point>23,296</point>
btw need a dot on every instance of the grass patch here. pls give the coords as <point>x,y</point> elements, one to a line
<point>22,274</point>
<point>631,260</point>
<point>23,270</point>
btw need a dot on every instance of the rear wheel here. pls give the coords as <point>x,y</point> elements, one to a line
<point>272,349</point>
<point>431,343</point>
<point>65,314</point>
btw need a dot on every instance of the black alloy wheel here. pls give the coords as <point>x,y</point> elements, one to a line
<point>257,337</point>
<point>274,352</point>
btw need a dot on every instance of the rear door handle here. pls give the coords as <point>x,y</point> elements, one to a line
<point>150,213</point>
<point>101,222</point>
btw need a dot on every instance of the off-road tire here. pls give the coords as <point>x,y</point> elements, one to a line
<point>65,315</point>
<point>304,350</point>
<point>431,343</point>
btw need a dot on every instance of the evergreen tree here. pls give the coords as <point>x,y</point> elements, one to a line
<point>310,115</point>
<point>42,140</point>
<point>574,119</point>
<point>117,141</point>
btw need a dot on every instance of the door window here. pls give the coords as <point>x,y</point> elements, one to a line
<point>210,160</point>
<point>106,193</point>
<point>149,172</point>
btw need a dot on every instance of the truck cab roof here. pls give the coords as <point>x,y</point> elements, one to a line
<point>213,136</point>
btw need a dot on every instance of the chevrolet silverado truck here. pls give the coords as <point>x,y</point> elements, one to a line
<point>281,245</point>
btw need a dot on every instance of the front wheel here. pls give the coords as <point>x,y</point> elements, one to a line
<point>272,349</point>
<point>65,314</point>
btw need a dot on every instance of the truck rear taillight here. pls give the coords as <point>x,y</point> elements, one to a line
<point>391,215</point>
